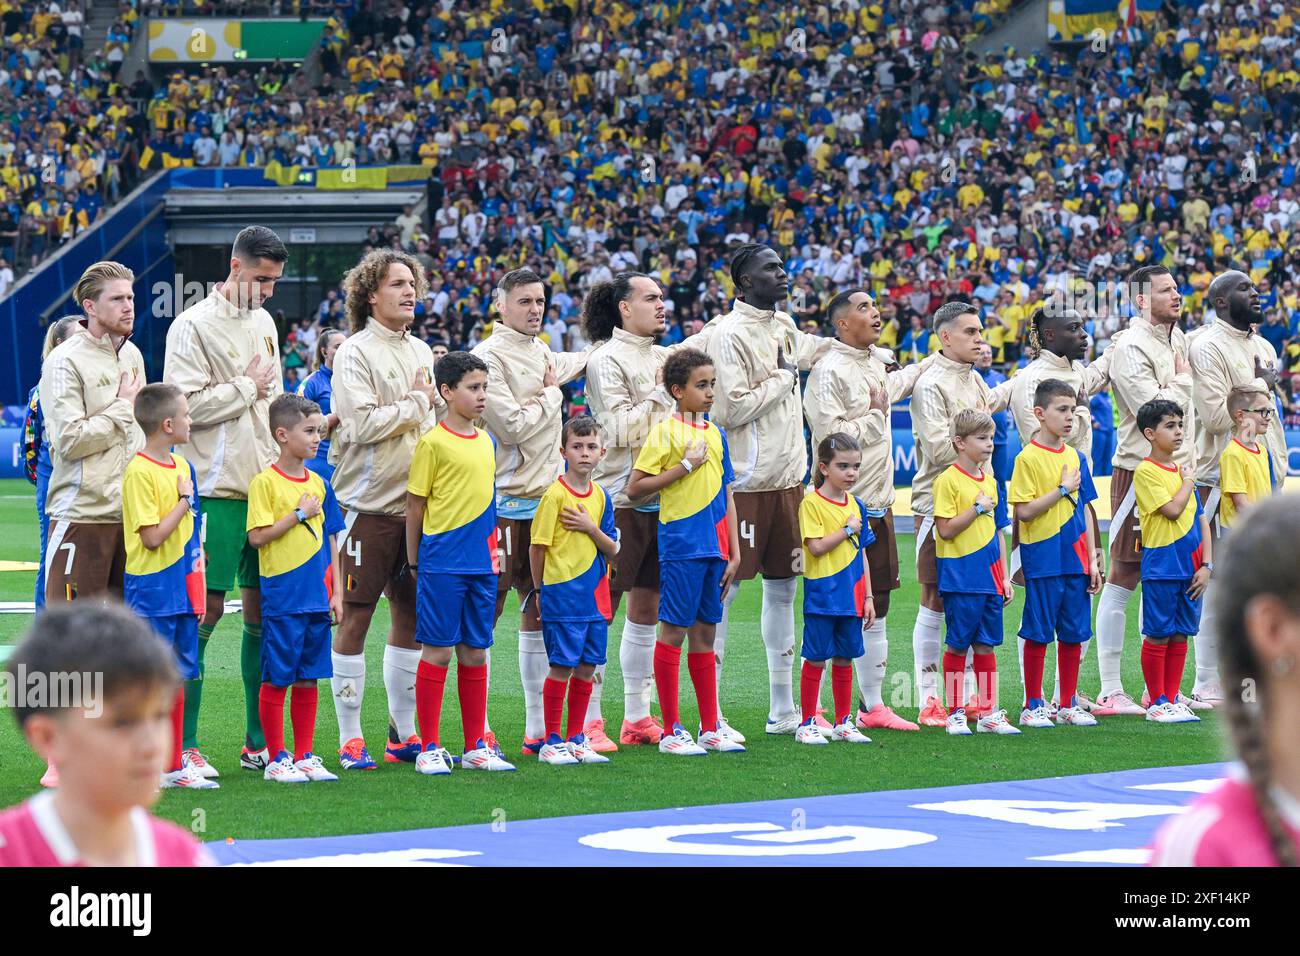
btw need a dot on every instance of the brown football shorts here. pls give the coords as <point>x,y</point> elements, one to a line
<point>882,561</point>
<point>84,560</point>
<point>927,569</point>
<point>637,563</point>
<point>769,533</point>
<point>514,536</point>
<point>372,553</point>
<point>1125,531</point>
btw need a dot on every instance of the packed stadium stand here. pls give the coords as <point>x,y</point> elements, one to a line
<point>870,142</point>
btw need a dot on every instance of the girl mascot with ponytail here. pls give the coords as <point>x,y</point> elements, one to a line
<point>1253,818</point>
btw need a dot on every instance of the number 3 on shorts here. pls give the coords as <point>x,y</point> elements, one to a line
<point>354,551</point>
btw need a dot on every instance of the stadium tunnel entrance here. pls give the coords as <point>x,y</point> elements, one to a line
<point>175,235</point>
<point>322,231</point>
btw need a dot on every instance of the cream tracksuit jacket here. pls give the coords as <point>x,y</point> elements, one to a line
<point>759,403</point>
<point>524,418</point>
<point>623,396</point>
<point>93,433</point>
<point>380,417</point>
<point>943,389</point>
<point>1223,358</point>
<point>1091,378</point>
<point>1141,370</point>
<point>837,398</point>
<point>209,346</point>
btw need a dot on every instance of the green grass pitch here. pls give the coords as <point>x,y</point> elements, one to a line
<point>395,797</point>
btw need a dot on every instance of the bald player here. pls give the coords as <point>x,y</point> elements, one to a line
<point>943,389</point>
<point>850,391</point>
<point>758,353</point>
<point>1227,354</point>
<point>385,400</point>
<point>1149,362</point>
<point>525,413</point>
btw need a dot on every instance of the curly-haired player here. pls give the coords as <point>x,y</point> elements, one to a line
<point>385,399</point>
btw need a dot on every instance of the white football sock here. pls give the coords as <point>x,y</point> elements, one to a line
<point>1110,636</point>
<point>720,635</point>
<point>597,685</point>
<point>777,624</point>
<point>349,685</point>
<point>533,668</point>
<point>1206,643</point>
<point>400,664</point>
<point>636,653</point>
<point>926,640</point>
<point>870,667</point>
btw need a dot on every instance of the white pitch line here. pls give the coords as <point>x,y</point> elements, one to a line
<point>1183,786</point>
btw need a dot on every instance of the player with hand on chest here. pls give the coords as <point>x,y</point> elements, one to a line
<point>385,401</point>
<point>850,391</point>
<point>524,414</point>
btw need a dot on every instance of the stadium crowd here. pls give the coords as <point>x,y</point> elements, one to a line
<point>1025,178</point>
<point>866,140</point>
<point>932,173</point>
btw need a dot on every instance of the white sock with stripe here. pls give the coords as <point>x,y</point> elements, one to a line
<point>400,665</point>
<point>533,668</point>
<point>870,667</point>
<point>926,642</point>
<point>969,687</point>
<point>1110,636</point>
<point>597,686</point>
<point>777,624</point>
<point>348,685</point>
<point>1206,643</point>
<point>720,635</point>
<point>636,653</point>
